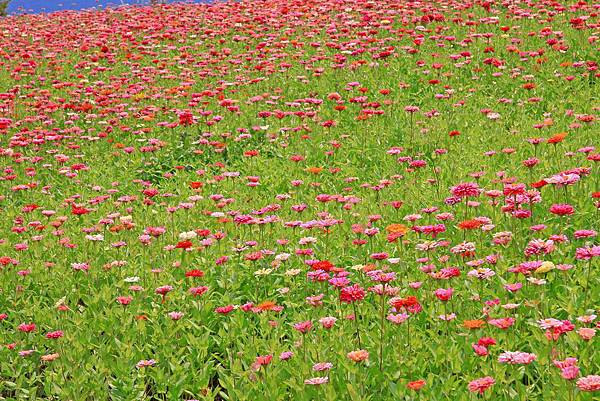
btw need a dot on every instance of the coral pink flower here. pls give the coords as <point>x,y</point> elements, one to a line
<point>481,385</point>
<point>358,356</point>
<point>586,333</point>
<point>502,323</point>
<point>416,385</point>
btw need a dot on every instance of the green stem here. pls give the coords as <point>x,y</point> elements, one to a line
<point>382,330</point>
<point>356,322</point>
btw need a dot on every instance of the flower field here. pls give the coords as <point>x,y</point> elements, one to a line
<point>301,200</point>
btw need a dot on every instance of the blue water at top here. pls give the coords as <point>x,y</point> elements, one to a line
<point>46,6</point>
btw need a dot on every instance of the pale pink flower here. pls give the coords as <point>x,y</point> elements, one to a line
<point>316,381</point>
<point>516,358</point>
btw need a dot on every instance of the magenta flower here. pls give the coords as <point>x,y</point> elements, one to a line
<point>444,294</point>
<point>303,327</point>
<point>54,334</point>
<point>465,190</point>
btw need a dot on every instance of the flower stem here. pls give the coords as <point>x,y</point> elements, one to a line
<point>356,322</point>
<point>382,330</point>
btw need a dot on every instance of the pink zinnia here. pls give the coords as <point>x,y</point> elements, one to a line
<point>397,318</point>
<point>480,385</point>
<point>316,381</point>
<point>224,310</point>
<point>465,189</point>
<point>480,350</point>
<point>198,291</point>
<point>502,323</point>
<point>164,290</point>
<point>352,293</point>
<point>444,294</point>
<point>588,252</point>
<point>589,383</point>
<point>125,300</point>
<point>303,327</point>
<point>513,287</point>
<point>562,210</point>
<point>584,234</point>
<point>327,322</point>
<point>516,358</point>
<point>321,366</point>
<point>570,372</point>
<point>145,363</point>
<point>26,327</point>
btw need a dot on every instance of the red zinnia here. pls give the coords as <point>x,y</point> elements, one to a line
<point>416,385</point>
<point>184,244</point>
<point>79,211</point>
<point>194,273</point>
<point>324,265</point>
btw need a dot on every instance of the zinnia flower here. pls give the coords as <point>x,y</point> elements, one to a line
<point>589,383</point>
<point>352,293</point>
<point>316,381</point>
<point>480,385</point>
<point>516,358</point>
<point>416,385</point>
<point>358,356</point>
<point>465,189</point>
<point>145,363</point>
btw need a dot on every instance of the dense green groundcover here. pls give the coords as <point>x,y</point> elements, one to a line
<point>301,200</point>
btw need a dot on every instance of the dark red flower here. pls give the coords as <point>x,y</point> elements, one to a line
<point>184,244</point>
<point>194,273</point>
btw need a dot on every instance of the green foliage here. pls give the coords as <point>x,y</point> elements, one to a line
<point>3,7</point>
<point>89,116</point>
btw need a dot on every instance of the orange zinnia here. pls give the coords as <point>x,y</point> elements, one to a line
<point>314,170</point>
<point>473,324</point>
<point>558,138</point>
<point>397,229</point>
<point>266,305</point>
<point>469,224</point>
<point>369,267</point>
